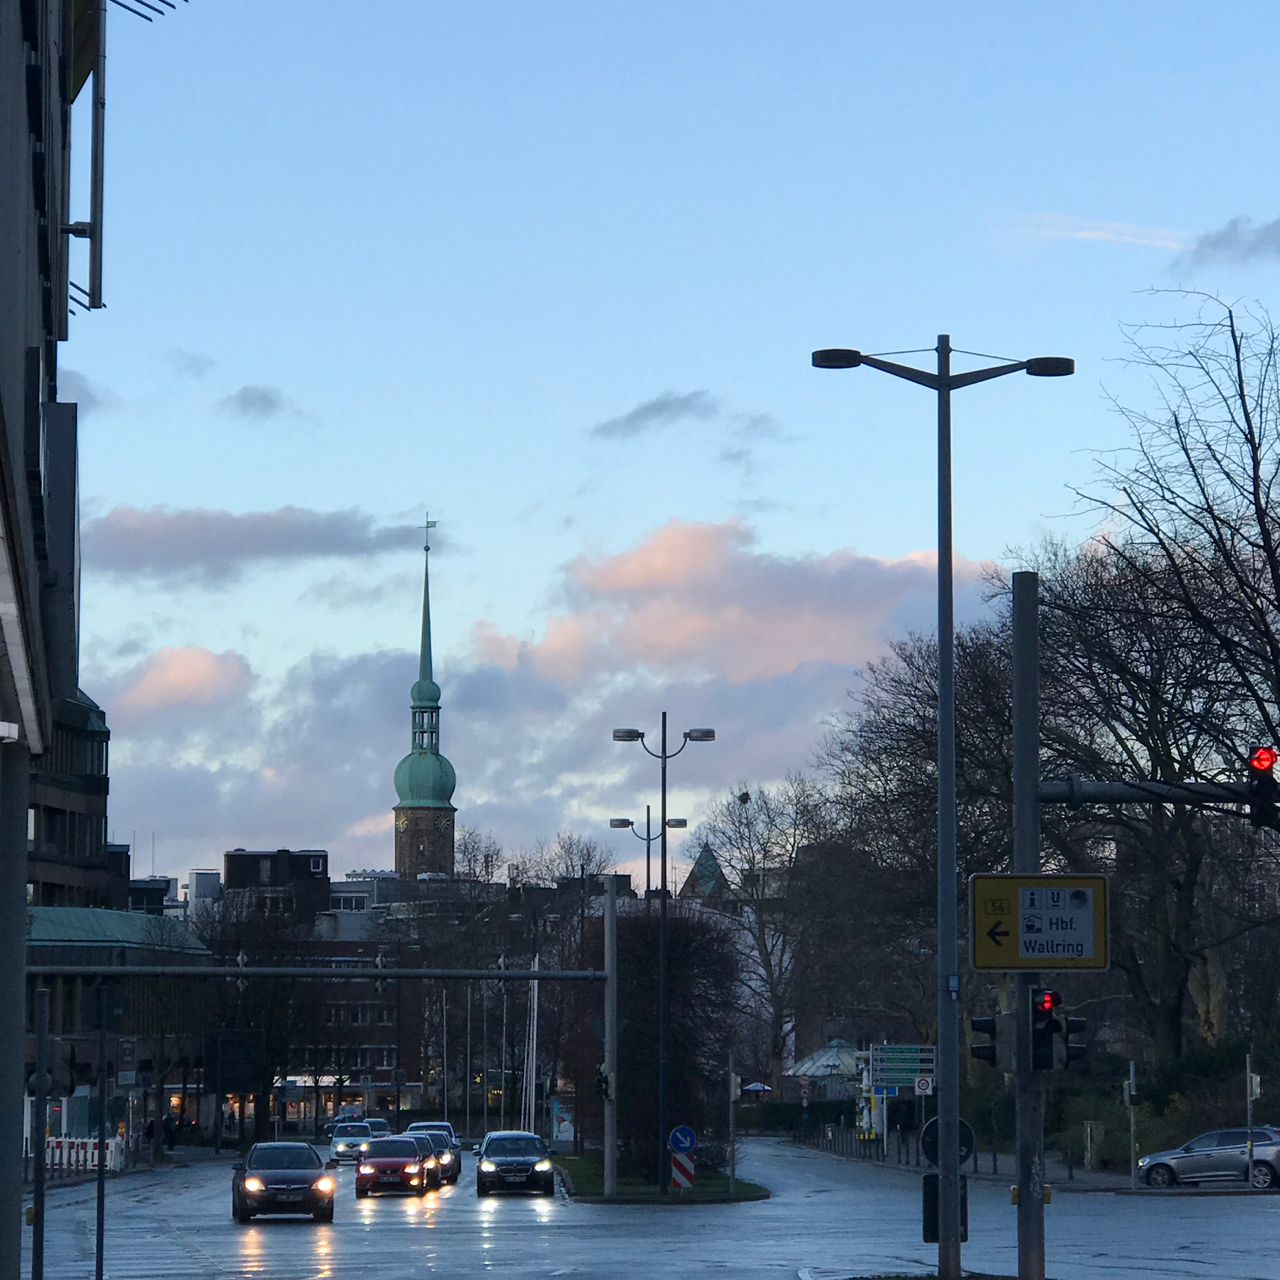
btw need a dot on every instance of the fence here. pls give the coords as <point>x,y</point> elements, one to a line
<point>74,1157</point>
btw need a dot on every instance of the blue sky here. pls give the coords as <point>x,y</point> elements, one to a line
<point>372,259</point>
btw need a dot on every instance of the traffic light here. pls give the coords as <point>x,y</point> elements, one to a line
<point>1263,809</point>
<point>735,1086</point>
<point>999,1049</point>
<point>1046,1027</point>
<point>602,1083</point>
<point>1065,1053</point>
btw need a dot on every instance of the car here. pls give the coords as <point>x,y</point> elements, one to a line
<point>282,1177</point>
<point>379,1128</point>
<point>513,1160</point>
<point>350,1139</point>
<point>391,1164</point>
<point>430,1159</point>
<point>1221,1155</point>
<point>449,1159</point>
<point>440,1126</point>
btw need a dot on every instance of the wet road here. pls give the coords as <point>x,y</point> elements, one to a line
<point>828,1219</point>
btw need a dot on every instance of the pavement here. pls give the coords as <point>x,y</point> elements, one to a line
<point>828,1219</point>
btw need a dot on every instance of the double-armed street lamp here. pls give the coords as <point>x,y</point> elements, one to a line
<point>627,824</point>
<point>943,381</point>
<point>663,755</point>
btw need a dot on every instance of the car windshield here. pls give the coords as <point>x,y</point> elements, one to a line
<point>352,1131</point>
<point>284,1158</point>
<point>392,1149</point>
<point>438,1140</point>
<point>516,1147</point>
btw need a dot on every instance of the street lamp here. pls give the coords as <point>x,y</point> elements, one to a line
<point>635,735</point>
<point>948,1080</point>
<point>623,824</point>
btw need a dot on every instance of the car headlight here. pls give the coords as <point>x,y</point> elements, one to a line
<point>339,1146</point>
<point>487,1166</point>
<point>446,1157</point>
<point>364,1146</point>
<point>324,1184</point>
<point>543,1166</point>
<point>430,1163</point>
<point>1142,1164</point>
<point>366,1168</point>
<point>412,1168</point>
<point>254,1184</point>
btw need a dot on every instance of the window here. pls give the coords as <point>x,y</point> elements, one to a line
<point>386,1058</point>
<point>317,865</point>
<point>264,870</point>
<point>385,1014</point>
<point>1203,1142</point>
<point>1233,1137</point>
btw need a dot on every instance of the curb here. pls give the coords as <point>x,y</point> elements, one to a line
<point>573,1195</point>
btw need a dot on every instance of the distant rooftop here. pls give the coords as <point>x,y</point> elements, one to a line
<point>92,927</point>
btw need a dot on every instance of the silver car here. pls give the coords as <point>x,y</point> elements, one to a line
<point>350,1139</point>
<point>1219,1156</point>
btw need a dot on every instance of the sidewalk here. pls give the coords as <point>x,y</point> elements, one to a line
<point>181,1158</point>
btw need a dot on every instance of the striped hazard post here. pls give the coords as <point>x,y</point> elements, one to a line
<point>681,1169</point>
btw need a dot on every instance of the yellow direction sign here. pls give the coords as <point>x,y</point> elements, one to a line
<point>1039,922</point>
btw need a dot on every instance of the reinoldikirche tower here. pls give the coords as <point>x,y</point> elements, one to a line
<point>424,778</point>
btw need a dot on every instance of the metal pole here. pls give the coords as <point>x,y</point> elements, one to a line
<point>1029,1087</point>
<point>948,947</point>
<point>468,1059</point>
<point>648,849</point>
<point>733,1144</point>
<point>39,1126</point>
<point>502,1065</point>
<point>663,1177</point>
<point>96,159</point>
<point>102,1126</point>
<point>1248,1111</point>
<point>611,1036</point>
<point>444,1050</point>
<point>1133,1126</point>
<point>484,1058</point>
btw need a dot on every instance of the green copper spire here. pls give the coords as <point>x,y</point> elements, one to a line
<point>424,778</point>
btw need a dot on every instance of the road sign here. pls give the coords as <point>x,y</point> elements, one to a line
<point>924,1086</point>
<point>1039,922</point>
<point>366,1080</point>
<point>885,1090</point>
<point>902,1064</point>
<point>683,1139</point>
<point>929,1141</point>
<point>681,1170</point>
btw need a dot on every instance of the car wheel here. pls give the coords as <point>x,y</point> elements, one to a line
<point>481,1190</point>
<point>1264,1177</point>
<point>1160,1176</point>
<point>361,1192</point>
<point>243,1216</point>
<point>324,1215</point>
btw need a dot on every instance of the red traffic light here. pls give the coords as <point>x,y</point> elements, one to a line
<point>1047,1001</point>
<point>1263,759</point>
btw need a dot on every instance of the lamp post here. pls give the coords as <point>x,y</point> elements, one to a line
<point>690,735</point>
<point>619,824</point>
<point>943,382</point>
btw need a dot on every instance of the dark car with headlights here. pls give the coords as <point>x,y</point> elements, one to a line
<point>350,1139</point>
<point>392,1164</point>
<point>282,1177</point>
<point>514,1161</point>
<point>446,1157</point>
<point>430,1159</point>
<point>1221,1155</point>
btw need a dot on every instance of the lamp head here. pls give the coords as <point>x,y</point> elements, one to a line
<point>701,735</point>
<point>677,824</point>
<point>627,735</point>
<point>620,824</point>
<point>1051,367</point>
<point>836,358</point>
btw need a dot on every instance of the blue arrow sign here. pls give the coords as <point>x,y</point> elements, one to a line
<point>683,1139</point>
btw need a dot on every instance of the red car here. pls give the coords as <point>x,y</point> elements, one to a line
<point>395,1164</point>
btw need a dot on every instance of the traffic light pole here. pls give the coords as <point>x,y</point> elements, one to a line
<point>611,1035</point>
<point>39,1125</point>
<point>1029,1087</point>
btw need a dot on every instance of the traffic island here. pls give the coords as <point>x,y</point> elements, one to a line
<point>583,1178</point>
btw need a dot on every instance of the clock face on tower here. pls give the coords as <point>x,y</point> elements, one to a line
<point>402,822</point>
<point>442,821</point>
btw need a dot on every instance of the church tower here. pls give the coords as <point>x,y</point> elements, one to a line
<point>424,778</point>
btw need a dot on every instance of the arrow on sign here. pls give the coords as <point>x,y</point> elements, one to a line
<point>995,933</point>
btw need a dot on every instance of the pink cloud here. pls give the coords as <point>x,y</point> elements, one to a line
<point>702,600</point>
<point>189,676</point>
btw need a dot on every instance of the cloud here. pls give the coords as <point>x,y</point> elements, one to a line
<point>186,364</point>
<point>343,592</point>
<point>1062,226</point>
<point>213,547</point>
<point>191,676</point>
<point>701,599</point>
<point>1238,241</point>
<point>662,411</point>
<point>90,396</point>
<point>256,402</point>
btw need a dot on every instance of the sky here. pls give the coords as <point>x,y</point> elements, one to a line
<point>553,273</point>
